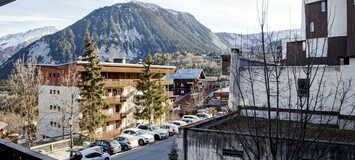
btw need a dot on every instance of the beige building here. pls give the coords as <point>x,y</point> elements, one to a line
<point>56,97</point>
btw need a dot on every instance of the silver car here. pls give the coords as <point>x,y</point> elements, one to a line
<point>157,132</point>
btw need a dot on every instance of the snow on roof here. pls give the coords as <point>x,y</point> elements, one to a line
<point>185,74</point>
<point>111,64</point>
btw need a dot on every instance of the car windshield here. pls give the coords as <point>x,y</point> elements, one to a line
<point>154,128</point>
<point>120,138</point>
<point>176,123</point>
<point>114,142</point>
<point>140,132</point>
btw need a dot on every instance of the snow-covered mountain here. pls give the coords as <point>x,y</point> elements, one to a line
<point>234,40</point>
<point>12,43</point>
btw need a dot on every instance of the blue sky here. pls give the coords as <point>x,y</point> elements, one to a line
<point>238,16</point>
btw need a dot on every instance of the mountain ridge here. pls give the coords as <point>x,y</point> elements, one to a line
<point>10,44</point>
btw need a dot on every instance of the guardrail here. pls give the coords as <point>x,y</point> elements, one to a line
<point>50,147</point>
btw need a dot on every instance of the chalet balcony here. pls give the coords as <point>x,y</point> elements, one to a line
<point>113,99</point>
<point>119,83</point>
<point>112,117</point>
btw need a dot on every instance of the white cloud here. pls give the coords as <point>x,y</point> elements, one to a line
<point>11,19</point>
<point>219,15</point>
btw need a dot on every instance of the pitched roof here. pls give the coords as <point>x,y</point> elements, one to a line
<point>187,74</point>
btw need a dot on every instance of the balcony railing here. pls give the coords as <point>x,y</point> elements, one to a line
<point>113,100</point>
<point>112,117</point>
<point>119,82</point>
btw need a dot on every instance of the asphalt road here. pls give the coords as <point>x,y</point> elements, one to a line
<point>158,151</point>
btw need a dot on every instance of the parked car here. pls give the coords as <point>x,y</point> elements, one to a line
<point>191,117</point>
<point>125,143</point>
<point>109,146</point>
<point>178,123</point>
<point>172,128</point>
<point>203,115</point>
<point>89,154</point>
<point>143,137</point>
<point>187,120</point>
<point>157,132</point>
<point>219,114</point>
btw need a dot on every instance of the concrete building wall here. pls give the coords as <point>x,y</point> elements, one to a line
<point>54,104</point>
<point>327,85</point>
<point>198,144</point>
<point>317,47</point>
<point>337,18</point>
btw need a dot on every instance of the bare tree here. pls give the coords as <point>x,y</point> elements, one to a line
<point>24,82</point>
<point>289,112</point>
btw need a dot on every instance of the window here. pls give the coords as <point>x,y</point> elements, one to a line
<point>58,108</point>
<point>55,107</point>
<point>50,91</point>
<point>50,107</point>
<point>50,74</point>
<point>311,27</point>
<point>304,45</point>
<point>93,155</point>
<point>59,126</point>
<point>323,7</point>
<point>303,87</point>
<point>58,92</point>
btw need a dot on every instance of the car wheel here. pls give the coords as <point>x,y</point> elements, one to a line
<point>156,137</point>
<point>106,158</point>
<point>125,148</point>
<point>141,142</point>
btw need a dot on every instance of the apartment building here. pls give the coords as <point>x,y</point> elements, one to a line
<point>59,91</point>
<point>327,34</point>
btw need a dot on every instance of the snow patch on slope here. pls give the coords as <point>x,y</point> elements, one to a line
<point>218,42</point>
<point>18,38</point>
<point>150,6</point>
<point>40,50</point>
<point>114,51</point>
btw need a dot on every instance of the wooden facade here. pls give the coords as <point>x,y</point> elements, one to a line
<point>319,19</point>
<point>118,78</point>
<point>338,48</point>
<point>351,28</point>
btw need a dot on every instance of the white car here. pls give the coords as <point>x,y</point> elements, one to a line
<point>141,135</point>
<point>157,132</point>
<point>203,115</point>
<point>90,154</point>
<point>191,117</point>
<point>172,128</point>
<point>188,120</point>
<point>178,123</point>
<point>132,142</point>
<point>219,114</point>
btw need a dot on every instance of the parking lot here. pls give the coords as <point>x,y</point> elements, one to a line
<point>157,151</point>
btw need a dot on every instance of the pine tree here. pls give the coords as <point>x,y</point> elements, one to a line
<point>159,99</point>
<point>150,104</point>
<point>92,90</point>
